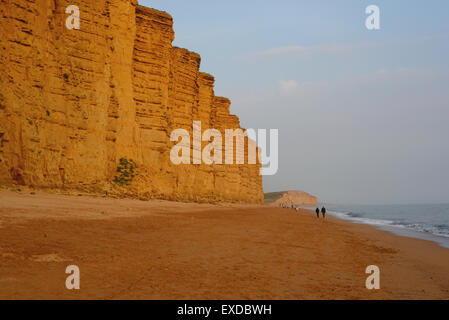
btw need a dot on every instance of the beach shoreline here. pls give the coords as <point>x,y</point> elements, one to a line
<point>399,231</point>
<point>131,249</point>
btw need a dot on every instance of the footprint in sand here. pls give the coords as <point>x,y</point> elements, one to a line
<point>52,257</point>
<point>8,279</point>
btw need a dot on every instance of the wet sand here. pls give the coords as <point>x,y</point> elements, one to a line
<point>131,249</point>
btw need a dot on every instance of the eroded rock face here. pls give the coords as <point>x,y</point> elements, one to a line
<point>74,102</point>
<point>296,199</point>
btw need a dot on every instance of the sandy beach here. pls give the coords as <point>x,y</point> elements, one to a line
<point>131,249</point>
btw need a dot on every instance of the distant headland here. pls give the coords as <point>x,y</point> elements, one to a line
<point>290,198</point>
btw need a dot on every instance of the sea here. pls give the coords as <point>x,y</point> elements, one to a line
<point>423,221</point>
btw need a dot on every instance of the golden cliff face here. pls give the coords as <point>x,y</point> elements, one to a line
<point>74,102</point>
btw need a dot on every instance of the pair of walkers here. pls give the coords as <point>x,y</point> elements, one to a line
<point>323,212</point>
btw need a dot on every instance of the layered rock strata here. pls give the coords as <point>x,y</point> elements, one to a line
<point>75,102</point>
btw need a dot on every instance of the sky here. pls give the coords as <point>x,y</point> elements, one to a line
<point>363,115</point>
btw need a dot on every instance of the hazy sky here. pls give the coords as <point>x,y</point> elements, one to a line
<point>363,116</point>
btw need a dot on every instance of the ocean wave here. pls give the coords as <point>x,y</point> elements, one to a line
<point>441,230</point>
<point>355,214</point>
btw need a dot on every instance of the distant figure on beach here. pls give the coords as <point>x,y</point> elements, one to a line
<point>317,213</point>
<point>323,211</point>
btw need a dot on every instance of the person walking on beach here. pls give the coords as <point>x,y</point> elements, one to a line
<point>323,212</point>
<point>317,213</point>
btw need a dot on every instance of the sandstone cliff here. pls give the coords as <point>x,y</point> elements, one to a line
<point>75,102</point>
<point>289,198</point>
